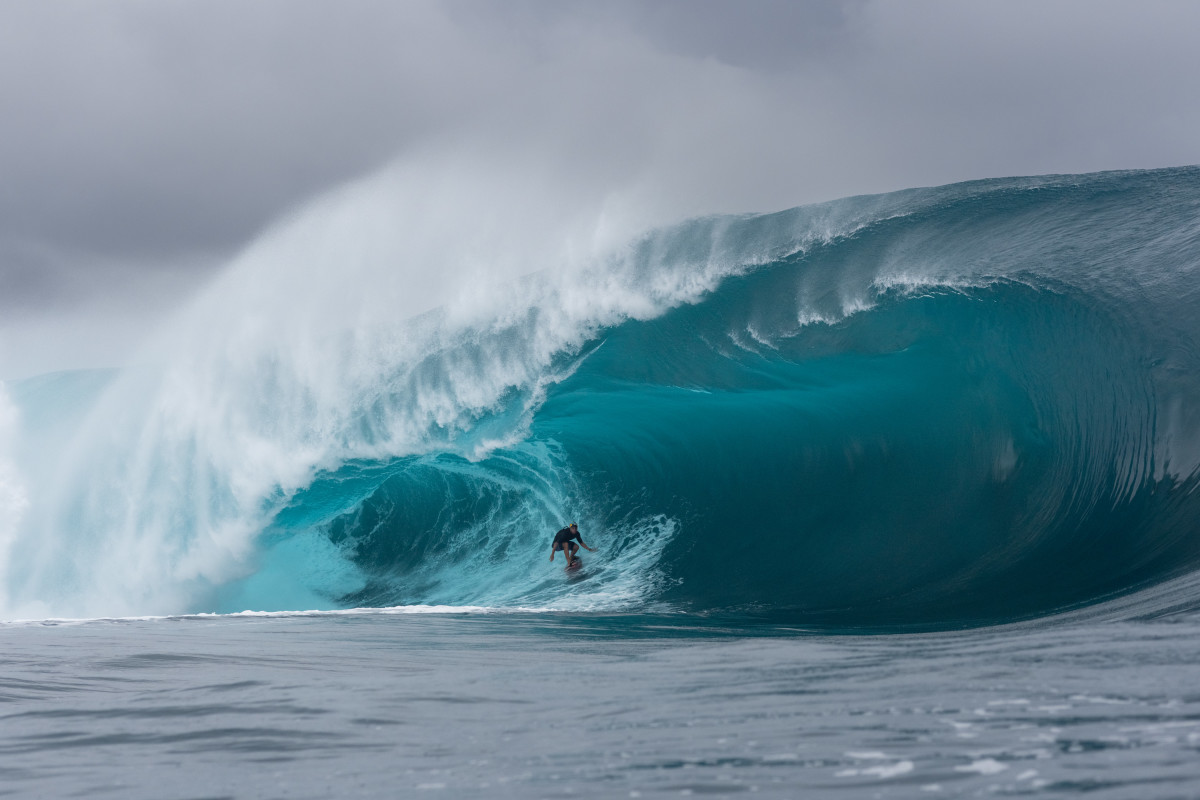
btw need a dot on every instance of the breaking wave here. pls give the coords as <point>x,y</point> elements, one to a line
<point>960,405</point>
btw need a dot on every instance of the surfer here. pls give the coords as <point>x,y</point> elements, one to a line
<point>562,541</point>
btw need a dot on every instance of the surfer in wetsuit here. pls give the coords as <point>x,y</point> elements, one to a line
<point>562,541</point>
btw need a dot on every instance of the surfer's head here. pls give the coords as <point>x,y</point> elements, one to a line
<point>574,527</point>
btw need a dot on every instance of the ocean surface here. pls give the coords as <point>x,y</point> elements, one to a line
<point>891,496</point>
<point>379,704</point>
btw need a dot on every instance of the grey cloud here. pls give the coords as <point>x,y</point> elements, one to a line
<point>146,137</point>
<point>27,282</point>
<point>764,34</point>
<point>145,128</point>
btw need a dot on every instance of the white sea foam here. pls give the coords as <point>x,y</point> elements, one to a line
<point>984,766</point>
<point>880,771</point>
<point>388,318</point>
<point>343,612</point>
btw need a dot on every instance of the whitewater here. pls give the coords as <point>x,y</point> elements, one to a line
<point>891,496</point>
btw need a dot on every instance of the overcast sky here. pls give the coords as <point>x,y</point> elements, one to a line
<point>143,143</point>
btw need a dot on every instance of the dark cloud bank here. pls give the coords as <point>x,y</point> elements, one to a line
<point>144,142</point>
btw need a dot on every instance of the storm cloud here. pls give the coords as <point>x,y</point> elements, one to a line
<point>145,142</point>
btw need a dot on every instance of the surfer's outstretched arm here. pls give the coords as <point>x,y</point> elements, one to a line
<point>551,552</point>
<point>585,547</point>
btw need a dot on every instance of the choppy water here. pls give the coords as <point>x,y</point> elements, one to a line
<point>551,705</point>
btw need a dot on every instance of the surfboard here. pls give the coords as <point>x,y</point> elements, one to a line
<point>574,565</point>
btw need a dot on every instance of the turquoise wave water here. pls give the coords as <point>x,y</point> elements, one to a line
<point>947,406</point>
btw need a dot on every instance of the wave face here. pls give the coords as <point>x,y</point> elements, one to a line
<point>960,405</point>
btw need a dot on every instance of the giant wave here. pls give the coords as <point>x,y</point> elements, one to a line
<point>960,405</point>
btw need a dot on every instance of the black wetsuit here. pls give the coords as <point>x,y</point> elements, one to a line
<point>562,537</point>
